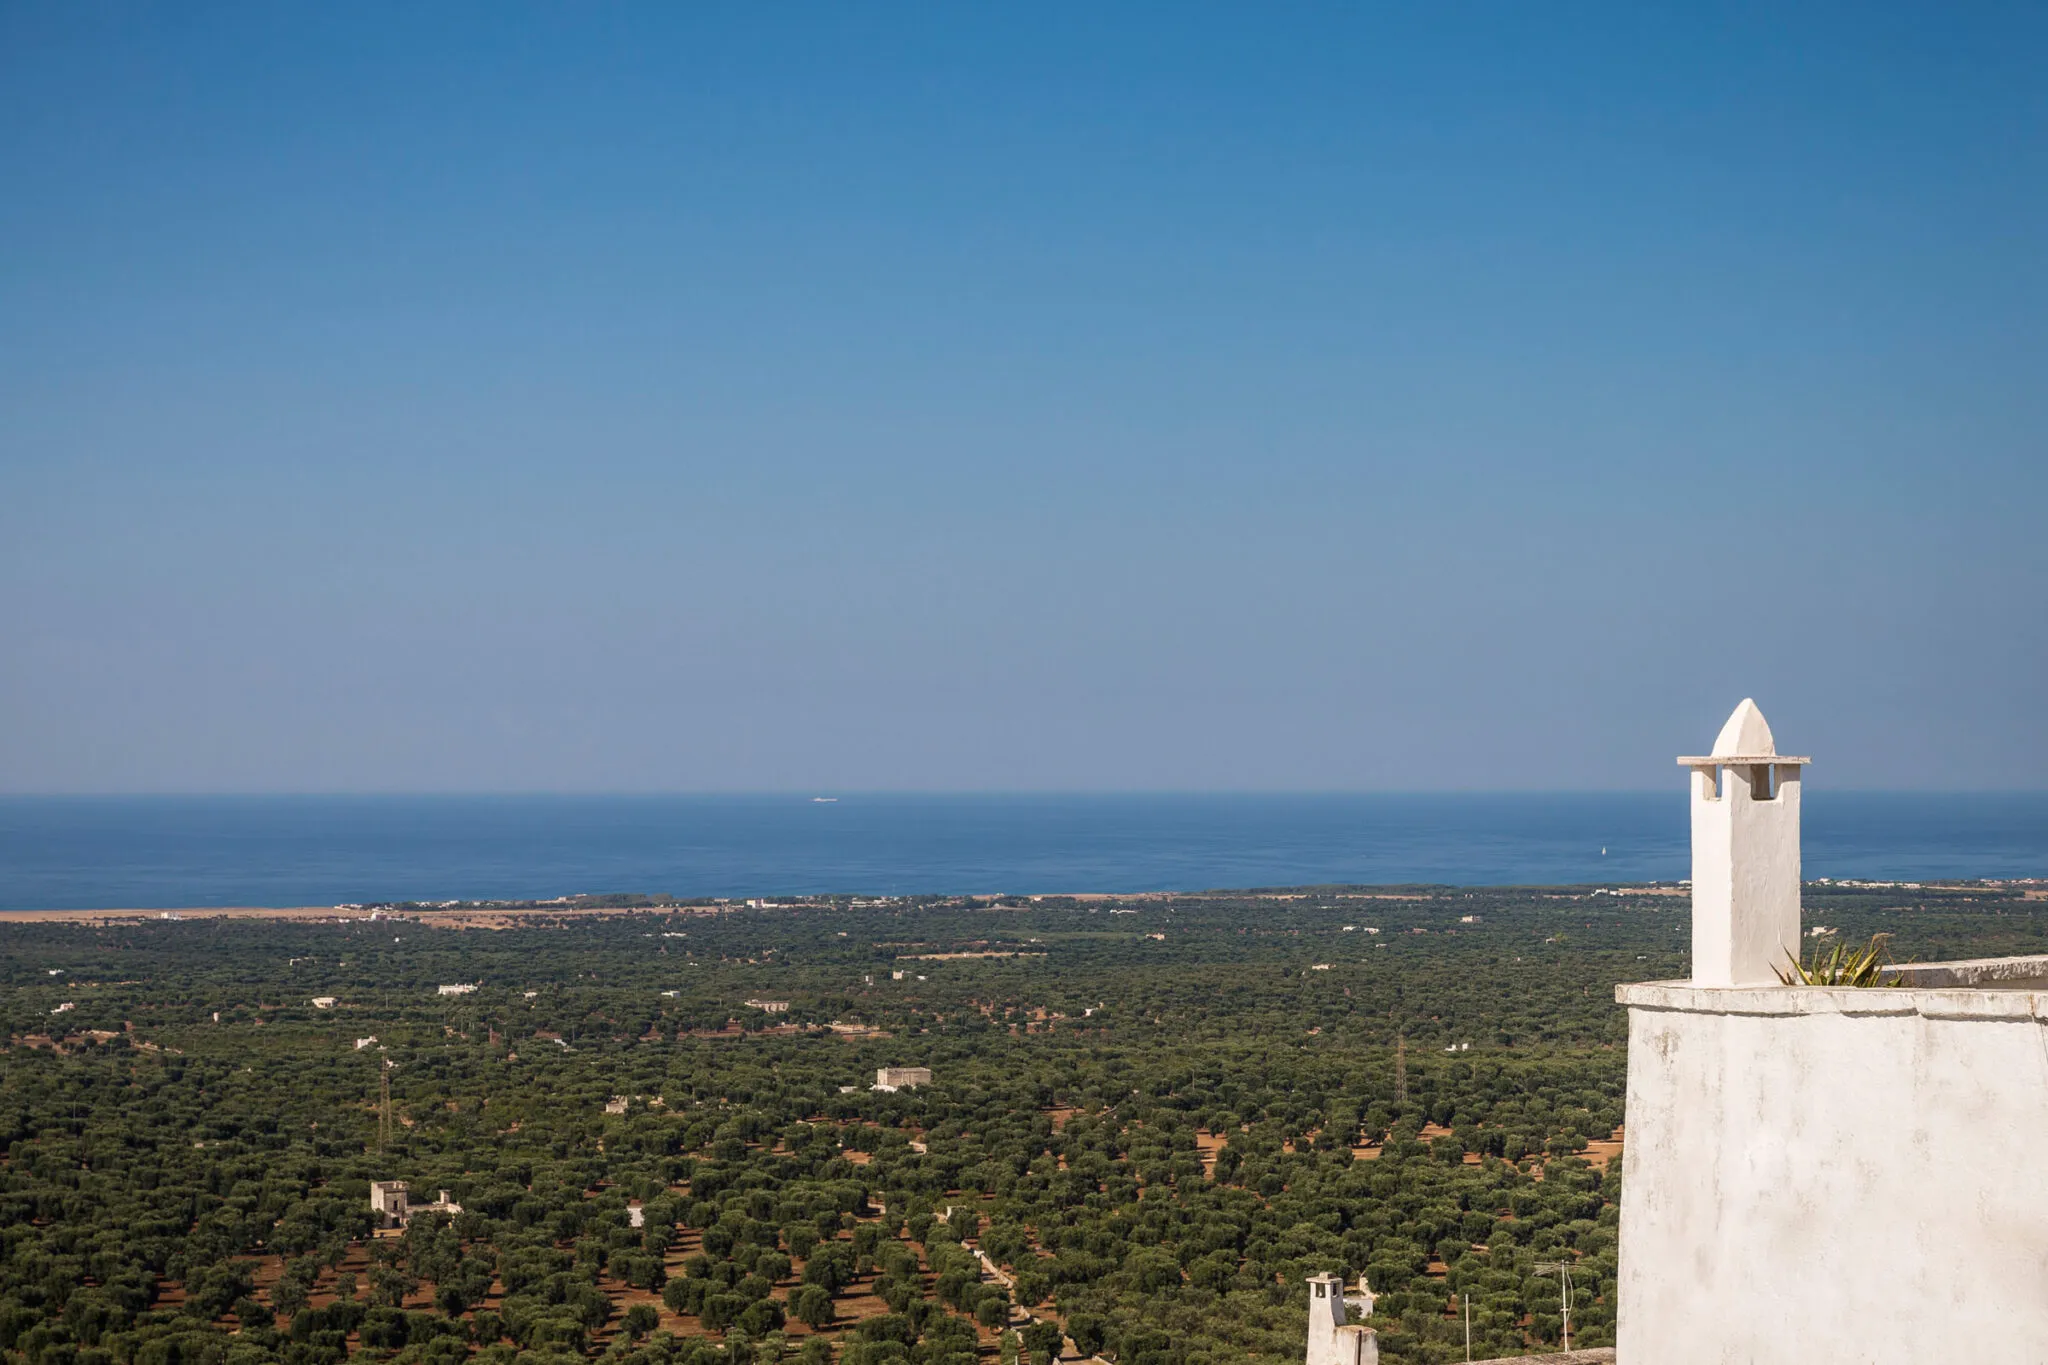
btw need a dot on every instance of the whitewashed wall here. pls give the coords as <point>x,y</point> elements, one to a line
<point>1857,1177</point>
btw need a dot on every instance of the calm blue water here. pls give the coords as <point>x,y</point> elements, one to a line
<point>87,852</point>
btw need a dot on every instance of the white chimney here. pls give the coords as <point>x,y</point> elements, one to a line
<point>1745,855</point>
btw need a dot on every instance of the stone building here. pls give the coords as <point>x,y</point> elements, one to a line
<point>392,1205</point>
<point>388,1202</point>
<point>889,1078</point>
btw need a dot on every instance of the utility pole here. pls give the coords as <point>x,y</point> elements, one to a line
<point>1563,1271</point>
<point>1466,1299</point>
<point>384,1100</point>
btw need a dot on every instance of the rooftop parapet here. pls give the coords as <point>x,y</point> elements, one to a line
<point>1978,973</point>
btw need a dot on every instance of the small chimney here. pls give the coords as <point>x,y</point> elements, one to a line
<point>1745,855</point>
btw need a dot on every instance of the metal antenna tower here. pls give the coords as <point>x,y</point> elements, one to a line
<point>1401,1068</point>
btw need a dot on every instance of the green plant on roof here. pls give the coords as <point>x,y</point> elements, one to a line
<point>1841,966</point>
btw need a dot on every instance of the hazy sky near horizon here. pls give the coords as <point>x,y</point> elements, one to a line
<point>634,397</point>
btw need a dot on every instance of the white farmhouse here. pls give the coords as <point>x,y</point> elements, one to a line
<point>460,988</point>
<point>893,1078</point>
<point>389,1201</point>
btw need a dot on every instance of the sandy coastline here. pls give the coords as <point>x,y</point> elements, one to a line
<point>494,917</point>
<point>502,917</point>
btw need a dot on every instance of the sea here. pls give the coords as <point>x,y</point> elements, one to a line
<point>165,852</point>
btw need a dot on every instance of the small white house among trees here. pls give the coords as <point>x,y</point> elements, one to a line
<point>892,1078</point>
<point>390,1202</point>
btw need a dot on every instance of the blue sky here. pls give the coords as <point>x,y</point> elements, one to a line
<point>1172,397</point>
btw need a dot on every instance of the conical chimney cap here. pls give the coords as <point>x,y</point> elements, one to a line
<point>1747,732</point>
<point>1746,738</point>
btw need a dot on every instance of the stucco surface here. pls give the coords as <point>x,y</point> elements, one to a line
<point>1833,1174</point>
<point>1332,1340</point>
<point>1997,973</point>
<point>1745,878</point>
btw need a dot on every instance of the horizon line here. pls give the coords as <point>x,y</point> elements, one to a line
<point>842,793</point>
